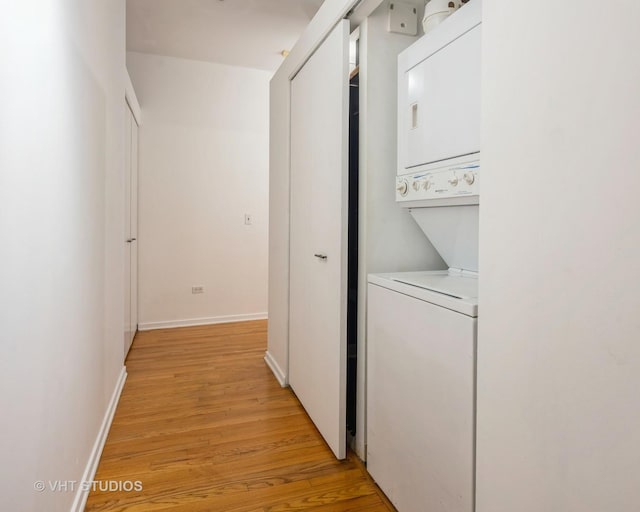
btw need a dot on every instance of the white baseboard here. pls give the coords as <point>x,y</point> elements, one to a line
<point>94,458</point>
<point>148,326</point>
<point>275,368</point>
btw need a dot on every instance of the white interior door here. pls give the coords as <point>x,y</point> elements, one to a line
<point>318,236</point>
<point>127,230</point>
<point>131,231</point>
<point>134,228</point>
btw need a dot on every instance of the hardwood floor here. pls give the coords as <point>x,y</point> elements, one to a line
<point>203,425</point>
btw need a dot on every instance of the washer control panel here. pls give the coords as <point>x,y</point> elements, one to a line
<point>451,182</point>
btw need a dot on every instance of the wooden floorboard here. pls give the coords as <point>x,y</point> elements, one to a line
<point>203,425</point>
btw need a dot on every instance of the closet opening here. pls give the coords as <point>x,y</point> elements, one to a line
<point>352,250</point>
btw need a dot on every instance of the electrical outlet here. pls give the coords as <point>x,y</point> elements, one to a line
<point>197,289</point>
<point>248,219</point>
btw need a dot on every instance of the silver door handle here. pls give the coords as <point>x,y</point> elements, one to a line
<point>321,256</point>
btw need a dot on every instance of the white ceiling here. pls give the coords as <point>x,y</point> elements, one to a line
<point>248,33</point>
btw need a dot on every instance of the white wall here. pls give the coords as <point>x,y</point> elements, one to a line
<point>559,330</point>
<point>389,238</point>
<point>203,151</point>
<point>61,232</point>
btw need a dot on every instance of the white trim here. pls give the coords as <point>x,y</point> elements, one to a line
<point>327,17</point>
<point>82,494</point>
<point>132,99</point>
<point>275,368</point>
<point>148,326</point>
<point>362,10</point>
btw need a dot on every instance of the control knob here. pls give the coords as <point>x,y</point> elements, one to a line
<point>427,184</point>
<point>402,187</point>
<point>453,181</point>
<point>469,178</point>
<point>416,185</point>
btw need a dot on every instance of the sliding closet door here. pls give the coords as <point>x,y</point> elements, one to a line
<point>318,236</point>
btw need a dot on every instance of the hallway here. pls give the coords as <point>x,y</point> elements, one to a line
<point>203,426</point>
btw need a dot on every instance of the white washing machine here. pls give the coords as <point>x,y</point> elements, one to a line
<point>421,371</point>
<point>421,348</point>
<point>421,374</point>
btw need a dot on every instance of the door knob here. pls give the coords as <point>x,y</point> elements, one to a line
<point>321,256</point>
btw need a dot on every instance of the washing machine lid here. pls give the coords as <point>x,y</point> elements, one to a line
<point>458,285</point>
<point>455,290</point>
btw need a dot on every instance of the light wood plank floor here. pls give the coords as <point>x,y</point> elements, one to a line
<point>204,426</point>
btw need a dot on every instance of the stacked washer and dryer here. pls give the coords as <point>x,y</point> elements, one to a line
<point>421,341</point>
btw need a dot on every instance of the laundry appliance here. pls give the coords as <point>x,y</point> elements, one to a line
<point>422,326</point>
<point>421,374</point>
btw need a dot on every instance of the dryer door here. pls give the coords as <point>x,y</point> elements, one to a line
<point>441,103</point>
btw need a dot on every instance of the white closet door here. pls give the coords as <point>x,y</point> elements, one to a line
<point>134,227</point>
<point>318,237</point>
<point>127,230</point>
<point>131,231</point>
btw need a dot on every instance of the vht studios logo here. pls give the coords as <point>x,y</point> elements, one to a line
<point>88,485</point>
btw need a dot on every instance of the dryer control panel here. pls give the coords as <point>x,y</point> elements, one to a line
<point>454,182</point>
